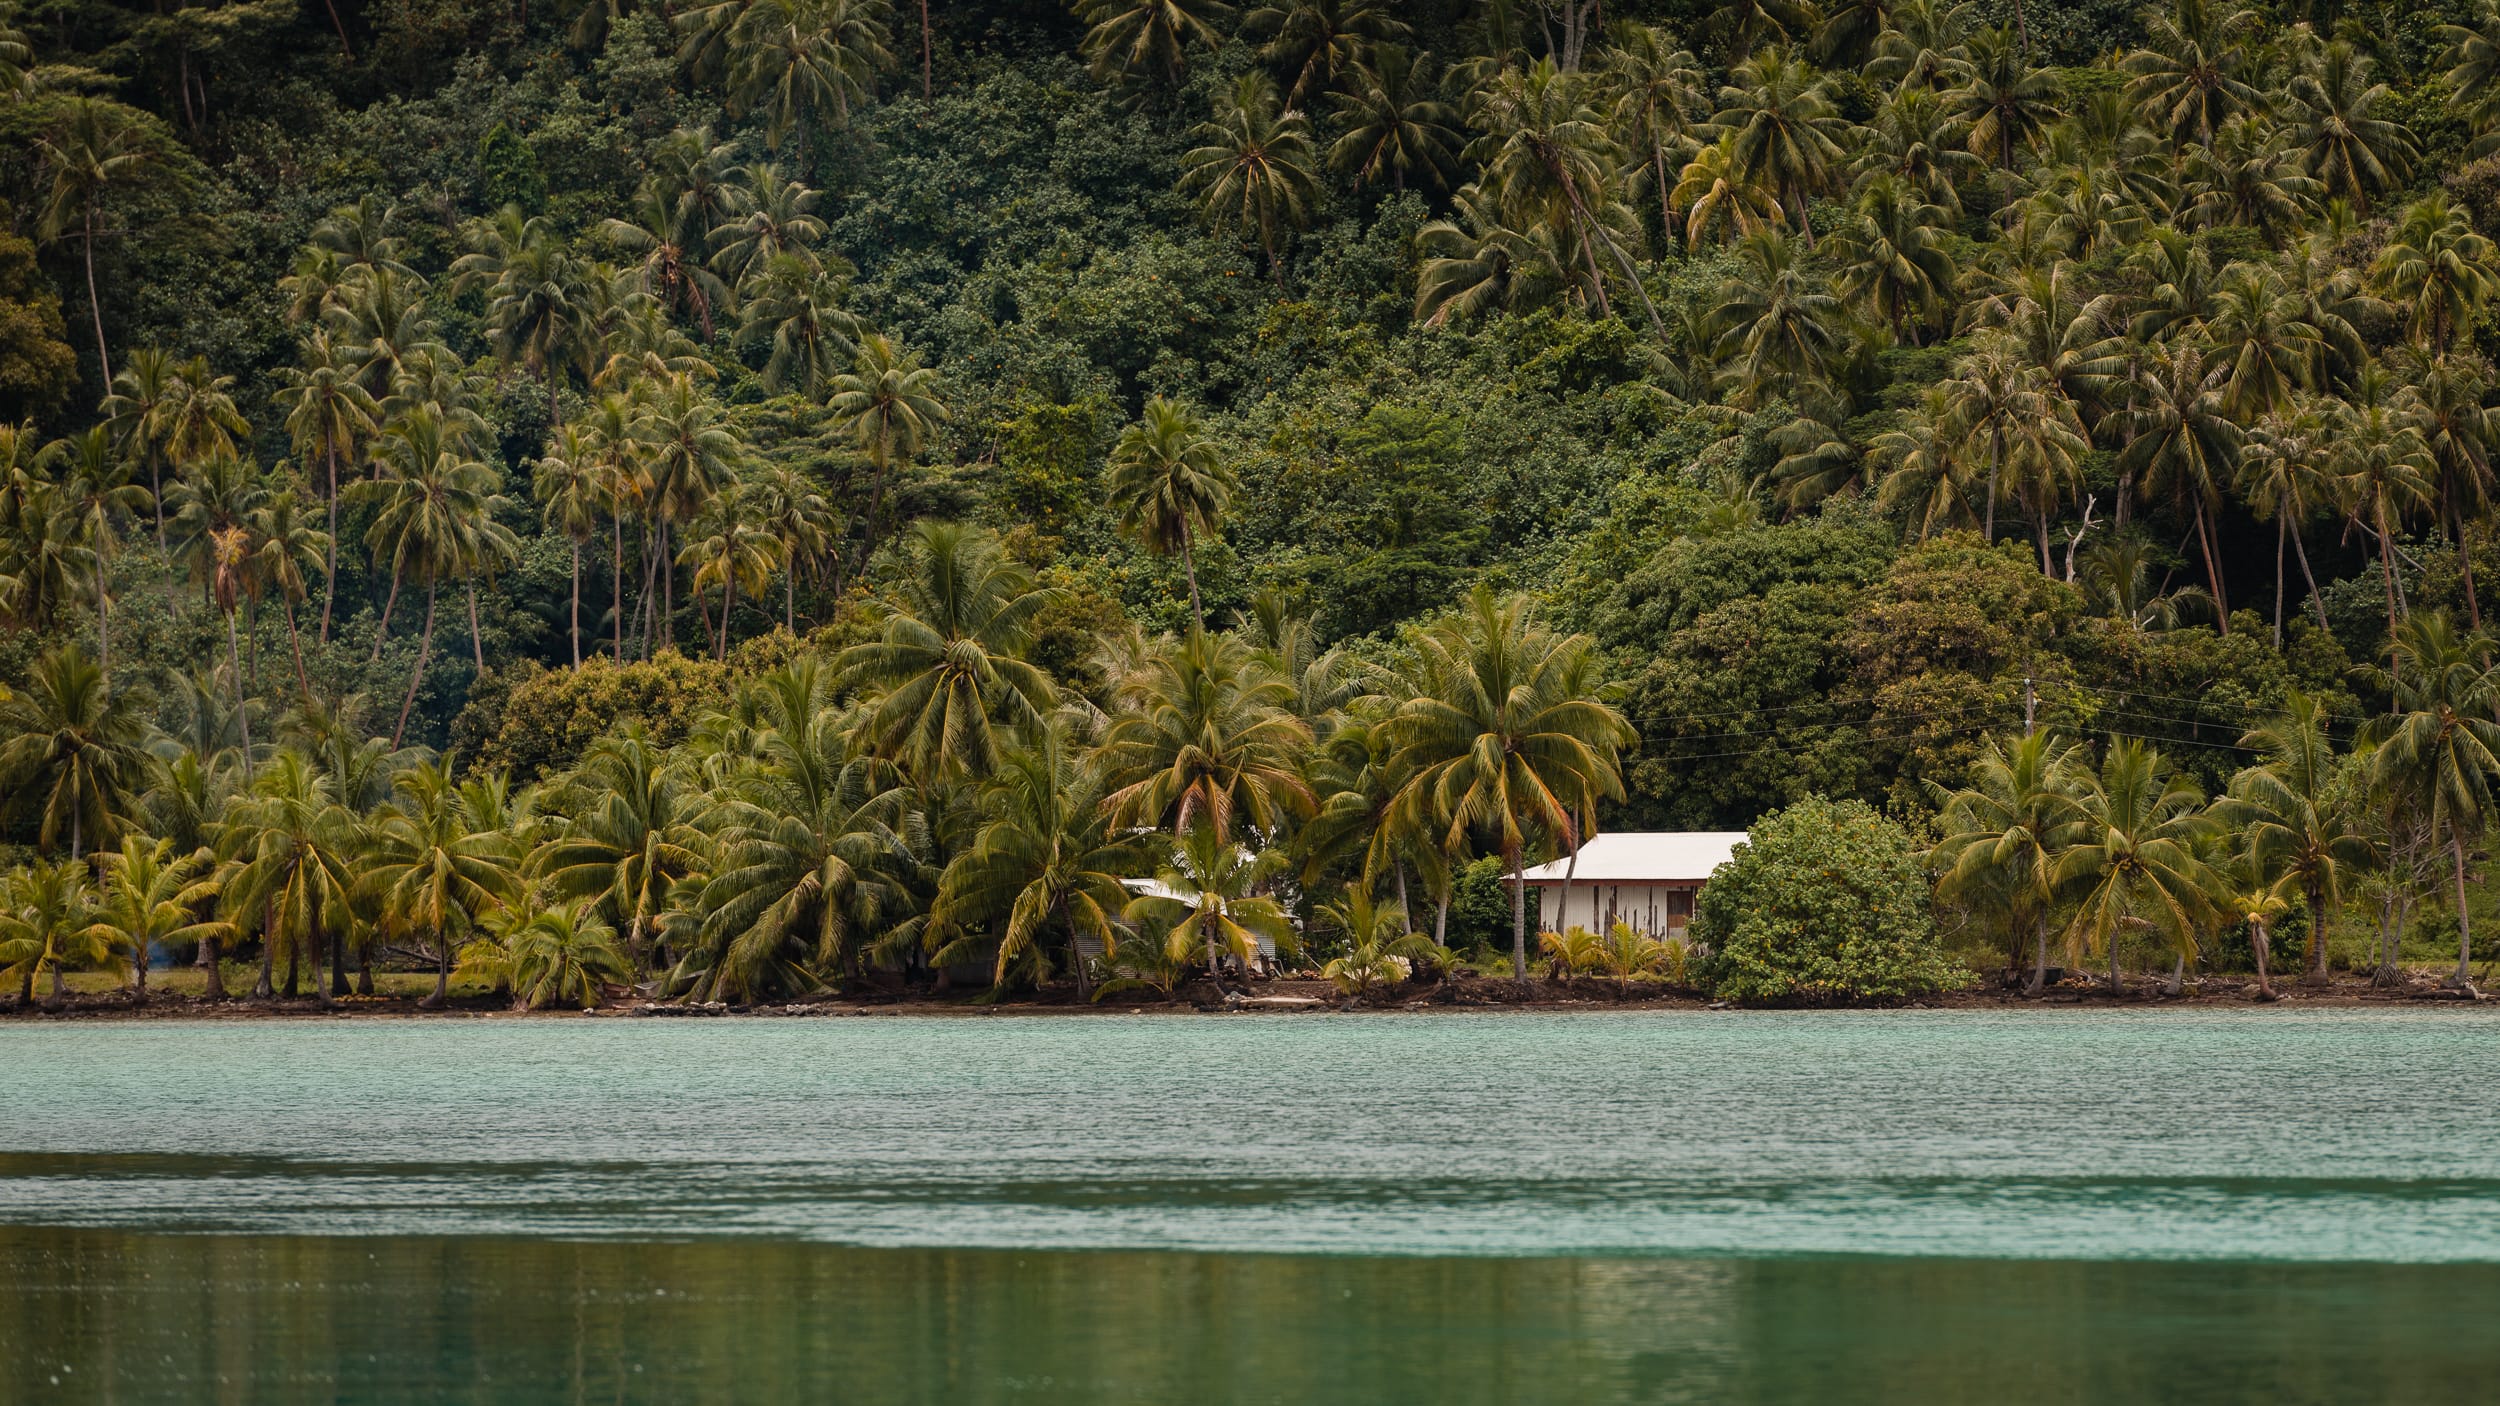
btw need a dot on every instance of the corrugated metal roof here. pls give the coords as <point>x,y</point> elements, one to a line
<point>1654,856</point>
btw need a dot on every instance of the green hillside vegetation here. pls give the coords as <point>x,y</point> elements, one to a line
<point>757,496</point>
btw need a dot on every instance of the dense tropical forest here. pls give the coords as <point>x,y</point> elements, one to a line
<point>760,496</point>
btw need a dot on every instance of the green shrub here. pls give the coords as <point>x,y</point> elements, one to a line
<point>549,719</point>
<point>1824,902</point>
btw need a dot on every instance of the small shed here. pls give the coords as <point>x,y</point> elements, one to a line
<point>1646,879</point>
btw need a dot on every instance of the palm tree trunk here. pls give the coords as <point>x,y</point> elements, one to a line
<point>2114,988</point>
<point>425,648</point>
<point>346,50</point>
<point>2465,566</point>
<point>103,357</point>
<point>1189,568</point>
<point>2213,570</point>
<point>728,598</point>
<point>2465,921</point>
<point>1441,920</point>
<point>1518,917</point>
<point>242,709</point>
<point>668,593</point>
<point>2316,600</point>
<point>2387,570</point>
<point>790,598</point>
<point>442,974</point>
<point>216,976</point>
<point>2257,941</point>
<point>338,963</point>
<point>616,581</point>
<point>2282,529</point>
<point>330,591</point>
<point>264,987</point>
<point>477,645</point>
<point>103,625</point>
<point>2039,954</point>
<point>388,601</point>
<point>364,967</point>
<point>2316,956</point>
<point>925,89</point>
<point>295,641</point>
<point>577,605</point>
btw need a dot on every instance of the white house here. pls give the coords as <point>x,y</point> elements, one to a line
<point>1646,880</point>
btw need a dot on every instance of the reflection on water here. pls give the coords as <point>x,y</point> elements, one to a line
<point>110,1315</point>
<point>2281,1207</point>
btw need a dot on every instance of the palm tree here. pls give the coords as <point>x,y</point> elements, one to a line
<point>558,954</point>
<point>147,895</point>
<point>330,416</point>
<point>2249,176</point>
<point>1547,159</point>
<point>2004,102</point>
<point>1170,484</point>
<point>571,491</point>
<point>2188,75</point>
<point>891,404</point>
<point>535,307</point>
<point>1915,139</point>
<point>135,413</point>
<point>2441,744</point>
<point>1925,48</point>
<point>1132,39</point>
<point>1321,43</point>
<point>434,518</point>
<point>729,547</point>
<point>2134,864</point>
<point>2259,330</point>
<point>1045,858</point>
<point>1205,735</point>
<point>2473,59</point>
<point>1379,945</point>
<point>295,855</point>
<point>2292,818</point>
<point>2445,403</point>
<point>1393,127</point>
<point>45,924</point>
<point>72,752</point>
<point>2437,270</point>
<point>285,547</point>
<point>628,833</point>
<point>2283,476</point>
<point>2003,834</point>
<point>1476,263</point>
<point>666,241</point>
<point>1711,190</point>
<point>200,422</point>
<point>440,860</point>
<point>1892,256</point>
<point>689,453</point>
<point>1775,329</point>
<point>771,217</point>
<point>100,149</point>
<point>800,306</point>
<point>2330,106</point>
<point>2180,436</point>
<point>97,492</point>
<point>2248,894</point>
<point>805,841</point>
<point>1507,739</point>
<point>781,499</point>
<point>1253,165</point>
<point>802,62</point>
<point>949,667</point>
<point>1787,131</point>
<point>2385,469</point>
<point>2007,415</point>
<point>1209,901</point>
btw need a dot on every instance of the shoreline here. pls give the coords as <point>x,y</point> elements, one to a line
<point>1283,996</point>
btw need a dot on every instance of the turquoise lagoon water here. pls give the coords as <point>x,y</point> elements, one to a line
<point>1911,1206</point>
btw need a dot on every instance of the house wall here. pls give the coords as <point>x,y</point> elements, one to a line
<point>1661,909</point>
